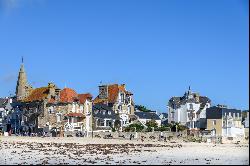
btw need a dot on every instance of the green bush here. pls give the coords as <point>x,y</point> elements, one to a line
<point>131,128</point>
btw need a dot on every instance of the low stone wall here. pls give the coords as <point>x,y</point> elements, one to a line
<point>235,140</point>
<point>137,135</point>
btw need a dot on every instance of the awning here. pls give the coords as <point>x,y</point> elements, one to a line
<point>75,115</point>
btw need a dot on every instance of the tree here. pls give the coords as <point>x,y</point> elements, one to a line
<point>132,127</point>
<point>117,124</point>
<point>142,108</point>
<point>151,124</point>
<point>244,115</point>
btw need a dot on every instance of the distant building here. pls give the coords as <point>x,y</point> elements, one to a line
<point>145,117</point>
<point>222,121</point>
<point>3,112</point>
<point>164,118</point>
<point>189,110</point>
<point>6,108</point>
<point>246,121</point>
<point>119,99</point>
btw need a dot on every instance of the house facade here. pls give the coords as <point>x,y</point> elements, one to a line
<point>45,108</point>
<point>222,121</point>
<point>189,110</point>
<point>103,118</point>
<point>145,117</point>
<point>119,99</point>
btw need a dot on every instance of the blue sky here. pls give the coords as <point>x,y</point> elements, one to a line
<point>157,48</point>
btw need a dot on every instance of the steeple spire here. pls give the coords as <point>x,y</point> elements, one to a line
<point>22,84</point>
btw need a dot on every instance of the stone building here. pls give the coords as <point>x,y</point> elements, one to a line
<point>22,88</point>
<point>118,98</point>
<point>189,110</point>
<point>49,107</point>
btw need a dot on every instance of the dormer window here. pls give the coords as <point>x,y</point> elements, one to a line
<point>122,97</point>
<point>109,112</point>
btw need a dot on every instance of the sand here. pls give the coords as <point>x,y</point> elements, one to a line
<point>73,150</point>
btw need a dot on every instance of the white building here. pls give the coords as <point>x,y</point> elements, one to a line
<point>189,110</point>
<point>145,117</point>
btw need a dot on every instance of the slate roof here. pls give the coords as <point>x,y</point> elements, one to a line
<point>217,112</point>
<point>103,111</point>
<point>147,115</point>
<point>176,102</point>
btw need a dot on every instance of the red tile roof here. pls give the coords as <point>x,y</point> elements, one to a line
<point>37,94</point>
<point>113,91</point>
<point>82,97</point>
<point>68,95</point>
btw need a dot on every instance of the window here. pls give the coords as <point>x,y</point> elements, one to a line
<point>214,122</point>
<point>120,107</point>
<point>109,112</point>
<point>129,99</point>
<point>101,122</point>
<point>191,106</point>
<point>229,113</point>
<point>238,115</point>
<point>234,115</point>
<point>122,97</point>
<point>103,112</point>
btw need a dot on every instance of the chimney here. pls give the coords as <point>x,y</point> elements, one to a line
<point>103,91</point>
<point>51,87</point>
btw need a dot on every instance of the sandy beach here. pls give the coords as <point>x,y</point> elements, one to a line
<point>73,150</point>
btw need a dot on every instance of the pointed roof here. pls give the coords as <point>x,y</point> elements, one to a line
<point>83,97</point>
<point>68,95</point>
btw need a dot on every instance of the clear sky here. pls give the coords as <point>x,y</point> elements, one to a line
<point>157,48</point>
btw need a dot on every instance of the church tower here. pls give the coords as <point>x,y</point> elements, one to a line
<point>22,87</point>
